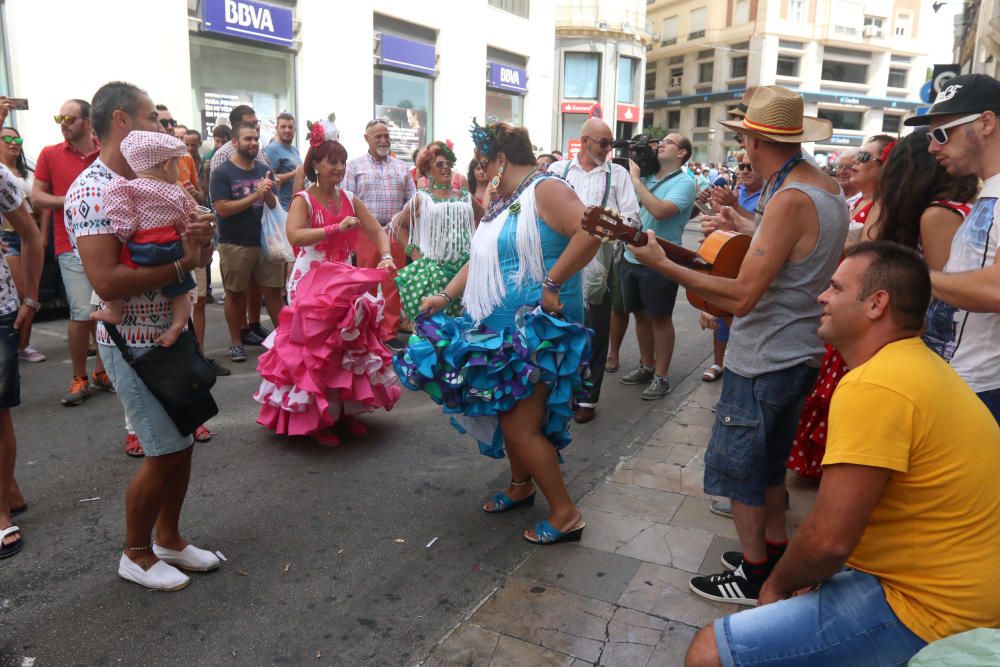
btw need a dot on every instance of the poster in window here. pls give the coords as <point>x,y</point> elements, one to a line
<point>407,128</point>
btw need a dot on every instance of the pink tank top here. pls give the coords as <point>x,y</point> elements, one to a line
<point>339,246</point>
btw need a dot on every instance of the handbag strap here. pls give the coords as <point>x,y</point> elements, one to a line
<point>120,342</point>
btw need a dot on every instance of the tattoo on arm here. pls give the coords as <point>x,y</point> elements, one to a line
<point>759,252</point>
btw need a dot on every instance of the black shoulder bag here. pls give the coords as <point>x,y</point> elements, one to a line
<point>178,376</point>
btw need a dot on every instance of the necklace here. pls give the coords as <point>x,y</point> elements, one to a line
<point>775,181</point>
<point>435,186</point>
<point>511,201</point>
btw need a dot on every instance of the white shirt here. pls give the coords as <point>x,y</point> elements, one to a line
<point>590,186</point>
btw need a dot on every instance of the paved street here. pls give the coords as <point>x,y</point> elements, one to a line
<point>315,566</point>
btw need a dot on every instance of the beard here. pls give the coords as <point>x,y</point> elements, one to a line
<point>382,151</point>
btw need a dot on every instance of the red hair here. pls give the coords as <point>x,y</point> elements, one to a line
<point>328,150</point>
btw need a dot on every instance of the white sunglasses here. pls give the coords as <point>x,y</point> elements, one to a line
<point>940,134</point>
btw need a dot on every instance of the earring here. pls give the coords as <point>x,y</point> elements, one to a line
<point>495,181</point>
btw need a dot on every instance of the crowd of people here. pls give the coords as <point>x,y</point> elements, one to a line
<point>860,345</point>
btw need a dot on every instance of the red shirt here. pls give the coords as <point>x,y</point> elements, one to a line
<point>59,165</point>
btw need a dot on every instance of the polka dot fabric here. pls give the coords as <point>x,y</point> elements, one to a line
<point>145,205</point>
<point>145,150</point>
<point>809,445</point>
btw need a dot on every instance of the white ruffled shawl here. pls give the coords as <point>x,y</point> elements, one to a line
<point>441,228</point>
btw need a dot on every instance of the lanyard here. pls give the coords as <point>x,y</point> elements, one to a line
<point>774,183</point>
<point>607,183</point>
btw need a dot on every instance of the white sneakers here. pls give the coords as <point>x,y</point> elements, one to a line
<point>164,576</point>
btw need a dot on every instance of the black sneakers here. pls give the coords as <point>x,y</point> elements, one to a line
<point>732,560</point>
<point>730,587</point>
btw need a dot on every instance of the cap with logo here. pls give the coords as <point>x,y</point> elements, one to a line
<point>969,93</point>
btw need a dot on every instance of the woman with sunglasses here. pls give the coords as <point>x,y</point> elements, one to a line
<point>435,228</point>
<point>506,372</point>
<point>12,157</point>
<point>867,170</point>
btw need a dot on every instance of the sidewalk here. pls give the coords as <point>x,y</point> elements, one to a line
<point>619,597</point>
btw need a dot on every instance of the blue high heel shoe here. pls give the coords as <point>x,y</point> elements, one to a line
<point>503,502</point>
<point>546,533</point>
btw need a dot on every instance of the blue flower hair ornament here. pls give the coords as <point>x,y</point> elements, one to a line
<point>485,139</point>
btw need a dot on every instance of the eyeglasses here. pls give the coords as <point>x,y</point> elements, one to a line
<point>603,143</point>
<point>168,122</point>
<point>443,165</point>
<point>11,139</point>
<point>669,141</point>
<point>744,166</point>
<point>375,121</point>
<point>63,118</point>
<point>865,156</point>
<point>940,134</point>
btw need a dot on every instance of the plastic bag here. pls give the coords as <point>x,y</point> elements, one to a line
<point>974,648</point>
<point>273,241</point>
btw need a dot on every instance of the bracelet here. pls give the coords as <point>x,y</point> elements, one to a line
<point>409,250</point>
<point>445,295</point>
<point>331,229</point>
<point>551,286</point>
<point>31,303</point>
<point>179,269</point>
<point>386,255</point>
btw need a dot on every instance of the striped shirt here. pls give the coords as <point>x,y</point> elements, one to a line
<point>383,186</point>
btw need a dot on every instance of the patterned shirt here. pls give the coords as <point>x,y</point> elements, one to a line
<point>144,316</point>
<point>10,200</point>
<point>383,186</point>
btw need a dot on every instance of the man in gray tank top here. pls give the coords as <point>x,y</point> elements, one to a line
<point>774,351</point>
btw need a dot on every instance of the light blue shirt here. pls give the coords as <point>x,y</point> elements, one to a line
<point>680,189</point>
<point>283,159</point>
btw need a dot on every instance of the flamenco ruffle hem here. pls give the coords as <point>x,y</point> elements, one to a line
<point>327,360</point>
<point>476,374</point>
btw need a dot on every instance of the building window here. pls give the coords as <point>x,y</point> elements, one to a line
<point>517,7</point>
<point>834,70</point>
<point>797,10</point>
<point>897,77</point>
<point>674,120</point>
<point>626,80</point>
<point>581,76</point>
<point>705,72</point>
<point>668,36</point>
<point>842,120</point>
<point>788,66</point>
<point>697,23</point>
<point>647,119</point>
<point>789,44</point>
<point>739,67</point>
<point>504,107</point>
<point>650,82</point>
<point>891,124</point>
<point>741,12</point>
<point>676,77</point>
<point>896,58</point>
<point>902,25</point>
<point>406,101</point>
<point>874,26</point>
<point>703,116</point>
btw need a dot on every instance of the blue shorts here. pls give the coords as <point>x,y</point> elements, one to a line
<point>10,371</point>
<point>13,241</point>
<point>992,400</point>
<point>755,423</point>
<point>846,622</point>
<point>78,289</point>
<point>151,423</point>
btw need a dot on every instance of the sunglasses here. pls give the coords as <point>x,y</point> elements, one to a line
<point>940,134</point>
<point>61,118</point>
<point>11,139</point>
<point>604,144</point>
<point>744,166</point>
<point>443,165</point>
<point>168,122</point>
<point>483,164</point>
<point>375,121</point>
<point>865,156</point>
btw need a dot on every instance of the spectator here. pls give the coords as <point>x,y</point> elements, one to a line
<point>844,172</point>
<point>55,170</point>
<point>156,492</point>
<point>383,184</point>
<point>666,199</point>
<point>557,154</point>
<point>598,182</point>
<point>544,161</point>
<point>284,158</point>
<point>240,189</point>
<point>12,157</point>
<point>192,140</point>
<point>908,502</point>
<point>478,185</point>
<point>188,168</point>
<point>963,322</point>
<point>703,181</point>
<point>16,312</point>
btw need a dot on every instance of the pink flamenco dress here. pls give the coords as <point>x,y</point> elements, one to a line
<point>326,362</point>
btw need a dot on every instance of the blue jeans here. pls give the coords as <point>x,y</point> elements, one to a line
<point>992,400</point>
<point>846,622</point>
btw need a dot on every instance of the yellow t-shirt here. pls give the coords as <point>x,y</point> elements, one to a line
<point>933,539</point>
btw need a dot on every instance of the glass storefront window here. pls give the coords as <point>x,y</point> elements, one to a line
<point>504,107</point>
<point>572,128</point>
<point>406,101</point>
<point>581,76</point>
<point>626,80</point>
<point>225,74</point>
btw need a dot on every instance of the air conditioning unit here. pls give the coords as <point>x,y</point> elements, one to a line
<point>871,31</point>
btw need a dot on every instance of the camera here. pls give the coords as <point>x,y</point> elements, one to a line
<point>640,152</point>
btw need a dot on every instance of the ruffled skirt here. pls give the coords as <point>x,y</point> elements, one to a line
<point>422,278</point>
<point>476,373</point>
<point>327,359</point>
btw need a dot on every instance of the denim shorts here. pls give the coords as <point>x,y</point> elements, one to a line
<point>78,289</point>
<point>13,241</point>
<point>10,372</point>
<point>755,422</point>
<point>846,622</point>
<point>151,423</point>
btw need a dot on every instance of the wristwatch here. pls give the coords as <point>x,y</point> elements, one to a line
<point>30,303</point>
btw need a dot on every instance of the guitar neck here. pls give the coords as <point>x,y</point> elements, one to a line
<point>675,253</point>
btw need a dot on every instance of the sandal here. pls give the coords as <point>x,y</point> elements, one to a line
<point>504,503</point>
<point>611,368</point>
<point>713,373</point>
<point>132,446</point>
<point>17,511</point>
<point>546,533</point>
<point>202,434</point>
<point>8,550</point>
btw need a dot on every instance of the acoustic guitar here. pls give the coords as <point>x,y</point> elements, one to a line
<point>720,254</point>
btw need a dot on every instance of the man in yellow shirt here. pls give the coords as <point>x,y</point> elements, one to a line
<point>908,503</point>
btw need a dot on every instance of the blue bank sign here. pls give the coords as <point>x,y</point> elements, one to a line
<point>248,19</point>
<point>505,77</point>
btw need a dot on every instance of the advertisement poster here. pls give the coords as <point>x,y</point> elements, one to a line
<point>215,106</point>
<point>407,129</point>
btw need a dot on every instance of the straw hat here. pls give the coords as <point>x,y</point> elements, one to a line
<point>775,114</point>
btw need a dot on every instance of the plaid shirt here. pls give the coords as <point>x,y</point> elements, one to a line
<point>383,186</point>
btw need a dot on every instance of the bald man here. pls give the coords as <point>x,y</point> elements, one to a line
<point>600,182</point>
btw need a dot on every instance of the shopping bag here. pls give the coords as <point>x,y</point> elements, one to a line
<point>273,241</point>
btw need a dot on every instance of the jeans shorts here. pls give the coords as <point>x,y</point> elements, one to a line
<point>847,621</point>
<point>157,433</point>
<point>10,372</point>
<point>755,423</point>
<point>78,289</point>
<point>644,289</point>
<point>13,241</point>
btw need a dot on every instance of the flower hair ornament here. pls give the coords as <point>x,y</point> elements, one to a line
<point>323,130</point>
<point>885,151</point>
<point>485,139</point>
<point>447,149</point>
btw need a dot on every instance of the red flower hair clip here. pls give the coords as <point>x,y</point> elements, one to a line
<point>317,135</point>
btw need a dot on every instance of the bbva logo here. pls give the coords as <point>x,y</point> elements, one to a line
<point>511,76</point>
<point>238,13</point>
